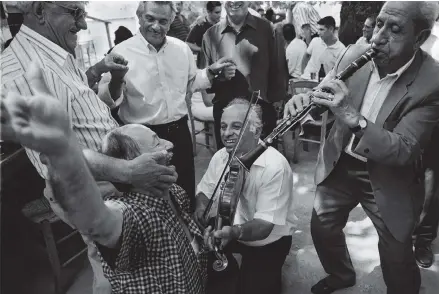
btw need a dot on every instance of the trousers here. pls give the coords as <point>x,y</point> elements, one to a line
<point>183,153</point>
<point>260,271</point>
<point>346,187</point>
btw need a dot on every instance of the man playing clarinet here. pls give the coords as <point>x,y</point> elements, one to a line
<point>385,113</point>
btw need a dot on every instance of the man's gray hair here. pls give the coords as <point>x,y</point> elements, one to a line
<point>255,115</point>
<point>118,145</point>
<point>142,7</point>
<point>26,6</point>
<point>425,15</point>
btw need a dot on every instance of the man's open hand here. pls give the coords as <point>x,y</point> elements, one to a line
<point>148,172</point>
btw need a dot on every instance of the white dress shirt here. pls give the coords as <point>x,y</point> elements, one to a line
<point>295,53</point>
<point>321,54</point>
<point>157,82</point>
<point>267,193</point>
<point>377,91</point>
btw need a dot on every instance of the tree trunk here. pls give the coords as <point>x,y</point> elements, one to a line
<point>352,16</point>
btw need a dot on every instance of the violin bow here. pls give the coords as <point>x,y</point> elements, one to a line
<point>254,98</point>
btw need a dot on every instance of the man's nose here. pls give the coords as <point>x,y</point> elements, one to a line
<point>227,132</point>
<point>155,26</point>
<point>380,36</point>
<point>81,23</point>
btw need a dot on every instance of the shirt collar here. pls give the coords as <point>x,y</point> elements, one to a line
<point>56,52</point>
<point>250,21</point>
<point>397,73</point>
<point>150,47</point>
<point>260,161</point>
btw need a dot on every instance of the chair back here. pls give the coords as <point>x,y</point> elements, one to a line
<point>296,85</point>
<point>302,86</point>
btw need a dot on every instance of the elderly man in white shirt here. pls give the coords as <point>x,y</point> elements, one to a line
<point>156,89</point>
<point>323,50</point>
<point>369,25</point>
<point>263,222</point>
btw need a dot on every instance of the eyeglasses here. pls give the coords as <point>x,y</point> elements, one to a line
<point>77,13</point>
<point>234,4</point>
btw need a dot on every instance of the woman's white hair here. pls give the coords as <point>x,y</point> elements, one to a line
<point>142,7</point>
<point>254,117</point>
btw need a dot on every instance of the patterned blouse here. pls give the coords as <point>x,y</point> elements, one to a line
<point>155,254</point>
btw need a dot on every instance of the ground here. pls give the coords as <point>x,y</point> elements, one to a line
<point>302,268</point>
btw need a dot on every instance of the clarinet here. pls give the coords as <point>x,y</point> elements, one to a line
<point>289,122</point>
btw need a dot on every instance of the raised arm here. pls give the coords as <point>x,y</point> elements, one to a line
<point>40,123</point>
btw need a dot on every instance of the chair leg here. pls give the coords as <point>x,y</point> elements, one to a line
<point>52,253</point>
<point>206,134</point>
<point>213,137</point>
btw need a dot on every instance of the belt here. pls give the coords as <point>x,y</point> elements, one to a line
<point>170,125</point>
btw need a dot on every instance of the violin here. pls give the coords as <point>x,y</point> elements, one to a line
<point>230,191</point>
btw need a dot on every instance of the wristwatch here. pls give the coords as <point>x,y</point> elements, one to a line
<point>215,75</point>
<point>362,124</point>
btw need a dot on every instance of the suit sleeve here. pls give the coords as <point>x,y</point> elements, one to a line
<point>403,145</point>
<point>278,68</point>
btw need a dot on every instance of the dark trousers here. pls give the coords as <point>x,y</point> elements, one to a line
<point>260,272</point>
<point>183,159</point>
<point>426,231</point>
<point>345,187</point>
<point>269,118</point>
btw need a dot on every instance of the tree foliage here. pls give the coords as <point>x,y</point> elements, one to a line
<point>352,17</point>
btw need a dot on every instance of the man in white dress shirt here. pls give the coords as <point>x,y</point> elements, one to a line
<point>295,51</point>
<point>323,50</point>
<point>369,25</point>
<point>263,222</point>
<point>162,75</point>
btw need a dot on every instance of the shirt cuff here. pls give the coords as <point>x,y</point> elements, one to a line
<point>269,217</point>
<point>105,96</point>
<point>204,81</point>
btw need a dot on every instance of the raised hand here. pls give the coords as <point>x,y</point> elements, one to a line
<point>149,172</point>
<point>39,122</point>
<point>296,104</point>
<point>337,101</point>
<point>225,65</point>
<point>6,131</point>
<point>114,63</point>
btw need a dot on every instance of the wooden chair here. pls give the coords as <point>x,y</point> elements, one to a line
<point>322,124</point>
<point>40,213</point>
<point>207,130</point>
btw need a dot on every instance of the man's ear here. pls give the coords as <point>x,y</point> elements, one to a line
<point>38,11</point>
<point>422,37</point>
<point>257,132</point>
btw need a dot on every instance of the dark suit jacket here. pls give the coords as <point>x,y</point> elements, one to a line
<point>394,142</point>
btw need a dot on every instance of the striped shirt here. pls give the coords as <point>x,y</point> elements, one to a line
<point>89,116</point>
<point>304,13</point>
<point>179,28</point>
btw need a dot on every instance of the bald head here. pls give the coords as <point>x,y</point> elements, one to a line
<point>422,13</point>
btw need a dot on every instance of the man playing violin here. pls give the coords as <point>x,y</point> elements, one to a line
<point>262,227</point>
<point>385,114</point>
